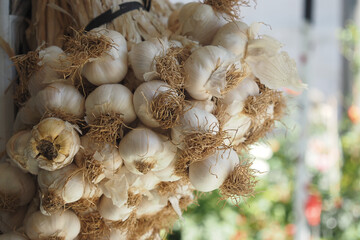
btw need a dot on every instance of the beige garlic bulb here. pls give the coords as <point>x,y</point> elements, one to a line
<point>110,99</point>
<point>16,187</point>
<point>13,236</point>
<point>61,99</point>
<point>53,144</point>
<point>11,220</point>
<point>112,66</point>
<point>112,212</point>
<point>274,69</point>
<point>52,62</point>
<point>200,22</point>
<point>210,173</point>
<point>62,225</point>
<point>144,150</point>
<point>27,116</point>
<point>206,71</point>
<point>233,36</point>
<point>142,56</point>
<point>59,187</point>
<point>194,121</point>
<point>101,160</point>
<point>16,149</point>
<point>144,97</point>
<point>206,105</point>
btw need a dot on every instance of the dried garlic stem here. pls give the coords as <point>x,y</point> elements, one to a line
<point>229,7</point>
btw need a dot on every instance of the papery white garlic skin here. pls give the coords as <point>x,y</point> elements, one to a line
<point>57,135</point>
<point>200,22</point>
<point>274,69</point>
<point>110,98</point>
<point>12,236</point>
<point>112,212</point>
<point>16,150</point>
<point>195,120</point>
<point>210,173</point>
<point>112,66</point>
<point>66,183</point>
<point>205,72</point>
<point>150,206</point>
<point>14,182</point>
<point>233,37</point>
<point>53,60</point>
<point>10,220</point>
<point>62,224</point>
<point>105,154</point>
<point>60,97</point>
<point>143,96</point>
<point>143,146</point>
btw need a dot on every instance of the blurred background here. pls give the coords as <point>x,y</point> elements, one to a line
<point>309,188</point>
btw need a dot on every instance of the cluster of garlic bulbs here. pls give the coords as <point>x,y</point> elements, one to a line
<point>112,143</point>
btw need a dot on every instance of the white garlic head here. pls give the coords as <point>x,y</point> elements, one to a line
<point>112,66</point>
<point>199,22</point>
<point>53,143</point>
<point>144,150</point>
<point>206,70</point>
<point>64,225</point>
<point>59,187</point>
<point>232,36</point>
<point>112,212</point>
<point>210,173</point>
<point>16,187</point>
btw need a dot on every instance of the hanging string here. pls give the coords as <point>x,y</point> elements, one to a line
<point>109,15</point>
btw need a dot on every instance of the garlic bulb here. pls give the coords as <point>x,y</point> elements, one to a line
<point>63,225</point>
<point>52,61</point>
<point>13,236</point>
<point>16,149</point>
<point>158,105</point>
<point>150,206</point>
<point>53,144</point>
<point>16,187</point>
<point>59,187</point>
<point>12,220</point>
<point>194,121</point>
<point>208,174</point>
<point>274,69</point>
<point>61,99</point>
<point>142,56</point>
<point>208,71</point>
<point>107,108</point>
<point>112,66</point>
<point>100,161</point>
<point>200,22</point>
<point>144,150</point>
<point>27,116</point>
<point>167,174</point>
<point>112,212</point>
<point>232,36</point>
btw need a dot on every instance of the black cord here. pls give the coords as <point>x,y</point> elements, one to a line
<point>108,16</point>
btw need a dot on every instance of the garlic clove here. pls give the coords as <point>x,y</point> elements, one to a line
<point>112,66</point>
<point>210,173</point>
<point>53,144</point>
<point>144,150</point>
<point>16,148</point>
<point>63,225</point>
